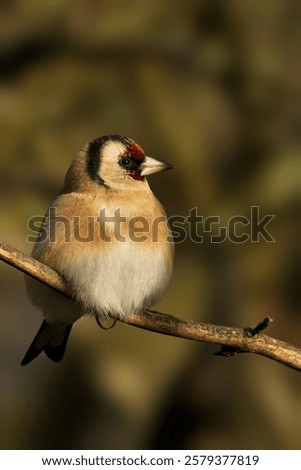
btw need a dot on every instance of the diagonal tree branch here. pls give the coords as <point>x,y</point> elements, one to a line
<point>232,340</point>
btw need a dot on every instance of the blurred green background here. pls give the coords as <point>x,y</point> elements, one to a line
<point>211,86</point>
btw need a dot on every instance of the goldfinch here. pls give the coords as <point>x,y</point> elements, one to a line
<point>108,236</point>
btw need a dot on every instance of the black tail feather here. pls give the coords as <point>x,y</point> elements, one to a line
<point>42,342</point>
<point>56,353</point>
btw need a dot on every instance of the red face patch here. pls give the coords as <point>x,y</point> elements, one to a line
<point>136,151</point>
<point>136,176</point>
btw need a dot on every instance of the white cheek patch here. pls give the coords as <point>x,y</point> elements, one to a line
<point>111,151</point>
<point>109,169</point>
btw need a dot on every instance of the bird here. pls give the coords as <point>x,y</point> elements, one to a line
<point>108,237</point>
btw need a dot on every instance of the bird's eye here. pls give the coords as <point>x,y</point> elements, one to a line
<point>125,162</point>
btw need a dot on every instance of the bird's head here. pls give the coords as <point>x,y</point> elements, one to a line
<point>114,162</point>
<point>119,162</point>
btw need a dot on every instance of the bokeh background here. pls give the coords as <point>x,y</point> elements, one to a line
<point>211,86</point>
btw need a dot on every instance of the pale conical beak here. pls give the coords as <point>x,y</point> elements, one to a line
<point>151,165</point>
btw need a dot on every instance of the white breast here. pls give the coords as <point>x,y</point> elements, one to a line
<point>122,280</point>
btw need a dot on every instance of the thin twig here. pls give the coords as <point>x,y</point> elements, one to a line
<point>232,340</point>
